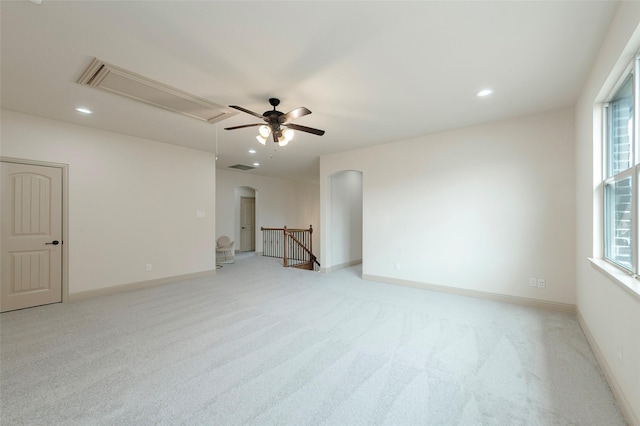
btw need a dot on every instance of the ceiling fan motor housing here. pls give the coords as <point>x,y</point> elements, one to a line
<point>273,117</point>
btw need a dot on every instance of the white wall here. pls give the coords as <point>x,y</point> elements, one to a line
<point>345,219</point>
<point>481,208</point>
<point>279,203</point>
<point>611,314</point>
<point>132,201</point>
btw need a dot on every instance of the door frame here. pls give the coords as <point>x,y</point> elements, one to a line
<point>65,214</point>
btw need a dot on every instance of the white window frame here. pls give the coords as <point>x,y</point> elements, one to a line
<point>633,171</point>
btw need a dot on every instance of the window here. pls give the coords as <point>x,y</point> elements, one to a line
<point>622,173</point>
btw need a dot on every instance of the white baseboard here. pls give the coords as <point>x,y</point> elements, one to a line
<point>238,252</point>
<point>618,394</point>
<point>106,291</point>
<point>340,266</point>
<point>534,303</point>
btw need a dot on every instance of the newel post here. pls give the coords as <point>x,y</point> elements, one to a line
<point>285,260</point>
<point>311,238</point>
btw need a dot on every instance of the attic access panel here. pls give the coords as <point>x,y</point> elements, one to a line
<point>134,86</point>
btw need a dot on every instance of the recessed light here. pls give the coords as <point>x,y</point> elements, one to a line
<point>256,164</point>
<point>84,110</point>
<point>252,151</point>
<point>484,92</point>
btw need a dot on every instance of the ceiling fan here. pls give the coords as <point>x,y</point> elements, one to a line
<point>275,121</point>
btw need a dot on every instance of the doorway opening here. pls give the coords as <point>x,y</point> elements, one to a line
<point>345,219</point>
<point>245,219</point>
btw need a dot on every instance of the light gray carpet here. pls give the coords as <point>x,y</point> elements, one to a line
<point>260,344</point>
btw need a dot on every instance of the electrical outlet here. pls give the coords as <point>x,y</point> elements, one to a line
<point>148,267</point>
<point>533,282</point>
<point>542,283</point>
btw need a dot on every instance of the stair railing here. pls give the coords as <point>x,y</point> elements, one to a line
<point>294,246</point>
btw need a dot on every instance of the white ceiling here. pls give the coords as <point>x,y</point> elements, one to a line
<point>371,72</point>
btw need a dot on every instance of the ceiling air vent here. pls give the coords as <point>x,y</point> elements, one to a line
<point>242,167</point>
<point>126,83</point>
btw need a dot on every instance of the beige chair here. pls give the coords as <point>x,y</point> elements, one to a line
<point>224,245</point>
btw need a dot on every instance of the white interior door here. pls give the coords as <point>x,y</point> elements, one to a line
<point>30,236</point>
<point>247,224</point>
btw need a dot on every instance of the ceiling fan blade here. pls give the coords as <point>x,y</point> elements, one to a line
<point>244,125</point>
<point>304,129</point>
<point>247,111</point>
<point>296,113</point>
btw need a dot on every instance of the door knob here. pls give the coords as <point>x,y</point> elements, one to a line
<point>54,242</point>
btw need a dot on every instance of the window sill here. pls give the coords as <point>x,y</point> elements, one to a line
<point>623,279</point>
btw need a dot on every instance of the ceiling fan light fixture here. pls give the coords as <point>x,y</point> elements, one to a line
<point>262,140</point>
<point>264,131</point>
<point>284,137</point>
<point>288,134</point>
